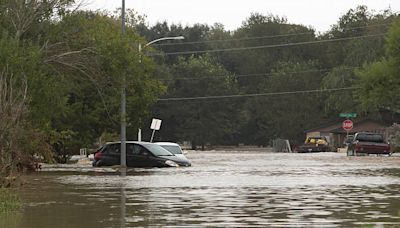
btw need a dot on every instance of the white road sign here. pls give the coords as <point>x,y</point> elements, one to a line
<point>155,124</point>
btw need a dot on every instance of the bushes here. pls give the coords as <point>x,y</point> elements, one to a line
<point>18,141</point>
<point>12,111</point>
<point>8,201</point>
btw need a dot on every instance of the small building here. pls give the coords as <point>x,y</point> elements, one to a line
<point>336,135</point>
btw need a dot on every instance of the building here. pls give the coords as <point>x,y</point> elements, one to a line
<point>336,135</point>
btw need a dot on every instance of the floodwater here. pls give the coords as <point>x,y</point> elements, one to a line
<point>221,189</point>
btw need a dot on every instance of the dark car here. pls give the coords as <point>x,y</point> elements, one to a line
<point>368,143</point>
<point>138,155</point>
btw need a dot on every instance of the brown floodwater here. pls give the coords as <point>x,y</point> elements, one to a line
<point>237,189</point>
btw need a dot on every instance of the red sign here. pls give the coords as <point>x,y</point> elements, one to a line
<point>347,125</point>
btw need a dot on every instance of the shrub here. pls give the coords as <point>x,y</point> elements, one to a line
<point>8,201</point>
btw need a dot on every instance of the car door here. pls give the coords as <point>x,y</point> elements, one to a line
<point>138,156</point>
<point>132,155</point>
<point>112,154</point>
<point>116,154</point>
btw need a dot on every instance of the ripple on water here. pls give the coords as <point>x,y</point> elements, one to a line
<point>230,189</point>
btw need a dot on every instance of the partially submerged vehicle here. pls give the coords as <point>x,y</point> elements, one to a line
<point>314,144</point>
<point>365,143</point>
<point>138,155</point>
<point>173,148</point>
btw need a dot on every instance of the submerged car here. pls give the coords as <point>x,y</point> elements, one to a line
<point>173,148</point>
<point>368,143</point>
<point>138,155</point>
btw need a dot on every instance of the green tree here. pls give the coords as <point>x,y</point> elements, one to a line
<point>264,31</point>
<point>285,115</point>
<point>95,76</point>
<point>201,122</point>
<point>379,82</point>
<point>356,51</point>
<point>339,77</point>
<point>73,63</point>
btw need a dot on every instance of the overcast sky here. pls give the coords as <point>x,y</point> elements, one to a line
<point>320,14</point>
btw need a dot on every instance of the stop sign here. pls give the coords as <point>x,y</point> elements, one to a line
<point>347,125</point>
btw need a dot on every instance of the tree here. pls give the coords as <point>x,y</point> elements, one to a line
<point>95,76</point>
<point>356,51</point>
<point>285,116</point>
<point>73,62</point>
<point>379,82</point>
<point>201,122</point>
<point>339,77</point>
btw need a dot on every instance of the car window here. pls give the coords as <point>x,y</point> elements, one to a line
<point>142,150</point>
<point>157,150</point>
<point>138,149</point>
<point>131,149</point>
<point>370,138</point>
<point>115,148</point>
<point>108,148</point>
<point>172,149</point>
<point>102,148</point>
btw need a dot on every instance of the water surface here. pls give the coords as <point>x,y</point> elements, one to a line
<point>237,189</point>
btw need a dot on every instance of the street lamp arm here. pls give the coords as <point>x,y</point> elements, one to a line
<point>164,38</point>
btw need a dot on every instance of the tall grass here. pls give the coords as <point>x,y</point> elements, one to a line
<point>8,201</point>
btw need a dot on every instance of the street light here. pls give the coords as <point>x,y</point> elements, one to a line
<point>161,39</point>
<point>123,90</point>
<point>146,45</point>
<point>123,103</point>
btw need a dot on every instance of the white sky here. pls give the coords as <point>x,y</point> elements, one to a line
<point>320,14</point>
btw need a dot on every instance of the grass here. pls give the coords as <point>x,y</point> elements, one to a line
<point>8,201</point>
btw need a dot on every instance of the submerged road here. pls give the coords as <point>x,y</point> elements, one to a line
<point>222,188</point>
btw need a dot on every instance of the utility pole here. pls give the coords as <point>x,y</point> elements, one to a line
<point>123,99</point>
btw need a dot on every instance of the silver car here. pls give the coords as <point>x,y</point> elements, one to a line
<point>174,148</point>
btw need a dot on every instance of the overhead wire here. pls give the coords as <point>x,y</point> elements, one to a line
<point>261,74</point>
<point>261,37</point>
<point>252,75</point>
<point>266,46</point>
<point>257,94</point>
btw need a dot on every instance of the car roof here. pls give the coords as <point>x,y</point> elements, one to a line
<point>167,143</point>
<point>369,133</point>
<point>136,142</point>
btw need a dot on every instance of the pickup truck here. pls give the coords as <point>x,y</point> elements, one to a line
<point>314,144</point>
<point>368,143</point>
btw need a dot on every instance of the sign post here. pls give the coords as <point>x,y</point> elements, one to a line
<point>155,126</point>
<point>347,126</point>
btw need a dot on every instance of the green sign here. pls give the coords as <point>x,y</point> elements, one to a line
<point>347,115</point>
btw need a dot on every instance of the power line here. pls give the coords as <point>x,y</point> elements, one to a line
<point>252,75</point>
<point>267,46</point>
<point>258,94</point>
<point>237,39</point>
<point>261,37</point>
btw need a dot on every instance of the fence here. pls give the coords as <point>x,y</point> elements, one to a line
<point>281,145</point>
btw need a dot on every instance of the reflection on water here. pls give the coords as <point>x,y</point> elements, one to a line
<point>10,219</point>
<point>225,189</point>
